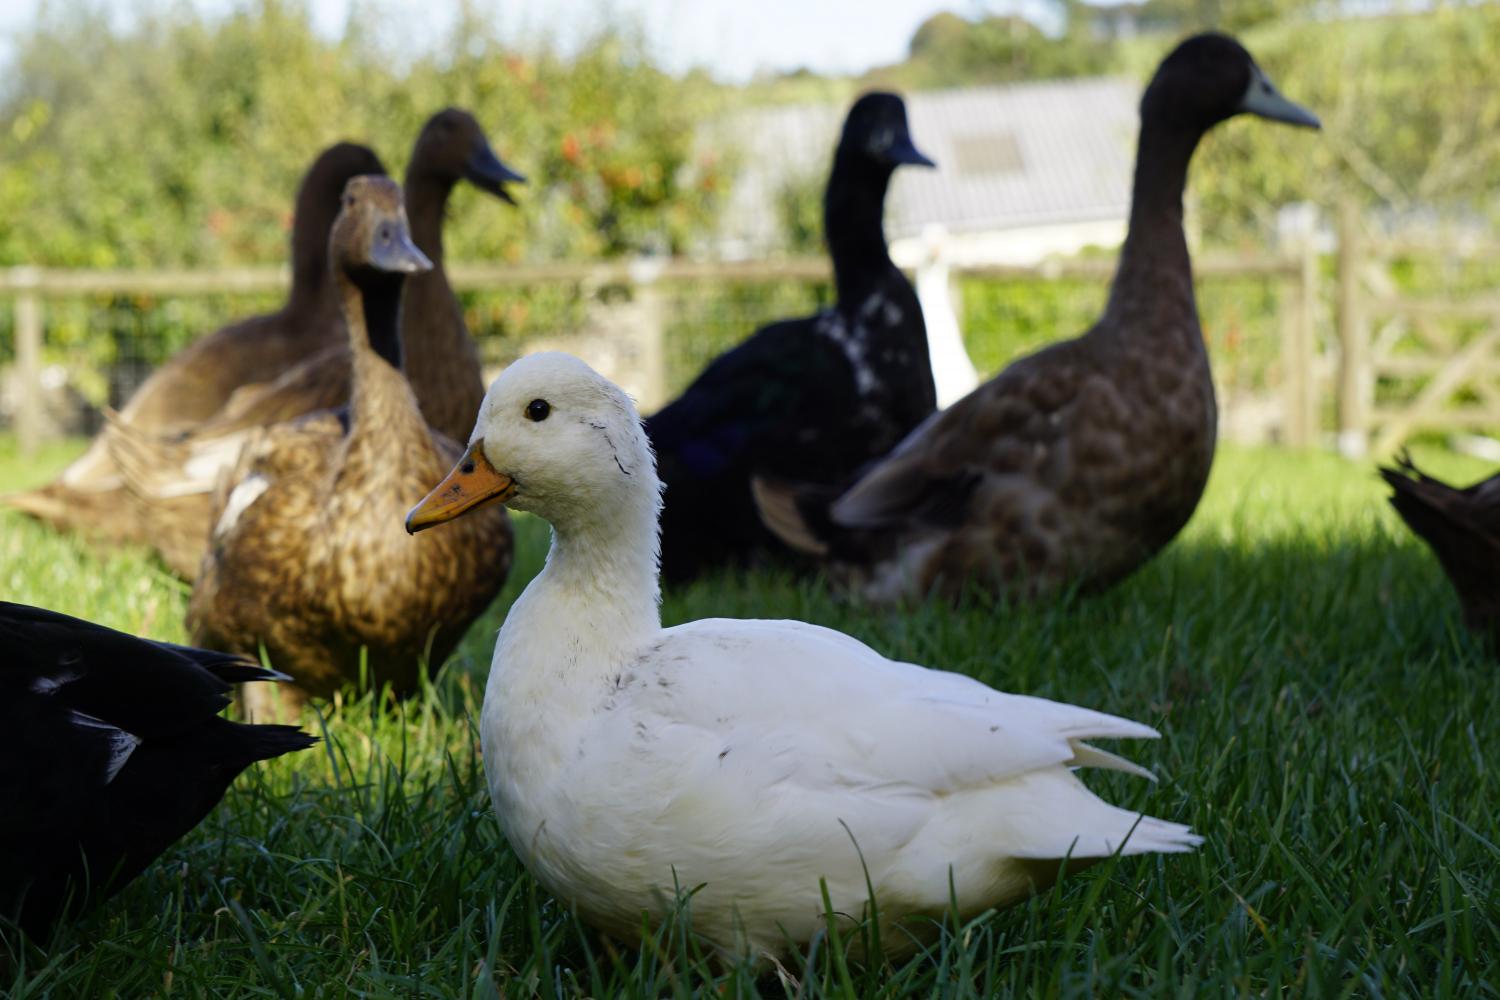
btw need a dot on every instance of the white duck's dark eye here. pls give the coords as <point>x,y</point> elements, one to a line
<point>538,409</point>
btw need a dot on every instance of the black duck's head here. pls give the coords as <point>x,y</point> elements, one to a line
<point>371,234</point>
<point>876,129</point>
<point>1209,78</point>
<point>452,147</point>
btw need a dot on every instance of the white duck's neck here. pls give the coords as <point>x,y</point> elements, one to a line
<point>597,596</point>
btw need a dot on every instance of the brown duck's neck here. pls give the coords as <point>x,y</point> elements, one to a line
<point>383,413</point>
<point>426,203</point>
<point>1154,278</point>
<point>372,311</point>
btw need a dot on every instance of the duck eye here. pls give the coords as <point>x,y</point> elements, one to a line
<point>538,409</point>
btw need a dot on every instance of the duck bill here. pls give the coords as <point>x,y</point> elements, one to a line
<point>485,171</point>
<point>904,152</point>
<point>395,252</point>
<point>1263,99</point>
<point>472,483</point>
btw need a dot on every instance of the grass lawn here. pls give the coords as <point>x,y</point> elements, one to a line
<point>1328,726</point>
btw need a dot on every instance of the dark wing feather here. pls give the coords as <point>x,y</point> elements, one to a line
<point>761,407</point>
<point>1462,526</point>
<point>111,748</point>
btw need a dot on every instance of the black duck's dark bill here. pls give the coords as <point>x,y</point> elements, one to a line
<point>394,251</point>
<point>473,482</point>
<point>904,151</point>
<point>1263,99</point>
<point>485,171</point>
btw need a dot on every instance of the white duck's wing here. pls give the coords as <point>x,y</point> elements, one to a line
<point>789,727</point>
<point>858,718</point>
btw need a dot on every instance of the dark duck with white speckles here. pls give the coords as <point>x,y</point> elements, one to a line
<point>810,399</point>
<point>111,748</point>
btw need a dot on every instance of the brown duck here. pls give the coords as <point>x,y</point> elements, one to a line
<point>309,557</point>
<point>1462,526</point>
<point>172,479</point>
<point>1074,465</point>
<point>196,383</point>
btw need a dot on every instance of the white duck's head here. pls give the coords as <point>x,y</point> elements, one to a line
<point>556,438</point>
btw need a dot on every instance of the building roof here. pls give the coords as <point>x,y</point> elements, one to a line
<point>1029,154</point>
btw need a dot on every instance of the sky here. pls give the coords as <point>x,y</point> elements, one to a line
<point>732,38</point>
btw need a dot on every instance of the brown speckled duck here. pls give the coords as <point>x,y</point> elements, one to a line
<point>1074,465</point>
<point>172,479</point>
<point>193,385</point>
<point>309,557</point>
<point>1462,526</point>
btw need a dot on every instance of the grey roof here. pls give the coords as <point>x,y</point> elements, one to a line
<point>1026,154</point>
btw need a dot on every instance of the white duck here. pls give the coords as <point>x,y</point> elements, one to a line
<point>751,758</point>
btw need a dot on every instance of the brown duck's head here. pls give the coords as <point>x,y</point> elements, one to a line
<point>452,147</point>
<point>371,232</point>
<point>1209,78</point>
<point>877,130</point>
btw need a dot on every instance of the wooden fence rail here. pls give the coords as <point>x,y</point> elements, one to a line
<point>1410,364</point>
<point>29,289</point>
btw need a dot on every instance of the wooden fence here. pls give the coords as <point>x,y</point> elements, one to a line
<point>1296,276</point>
<point>1394,364</point>
<point>1412,363</point>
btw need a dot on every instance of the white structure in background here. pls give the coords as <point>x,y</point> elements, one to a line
<point>1025,172</point>
<point>952,370</point>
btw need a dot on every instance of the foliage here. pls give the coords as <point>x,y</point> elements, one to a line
<point>180,140</point>
<point>948,50</point>
<point>1223,15</point>
<point>799,211</point>
<point>1411,123</point>
<point>1327,726</point>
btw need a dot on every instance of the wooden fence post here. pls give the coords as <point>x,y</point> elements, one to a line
<point>28,325</point>
<point>1356,383</point>
<point>1298,314</point>
<point>650,316</point>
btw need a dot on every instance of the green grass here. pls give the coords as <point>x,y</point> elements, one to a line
<point>1328,726</point>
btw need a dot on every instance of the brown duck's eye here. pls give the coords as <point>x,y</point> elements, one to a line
<point>538,409</point>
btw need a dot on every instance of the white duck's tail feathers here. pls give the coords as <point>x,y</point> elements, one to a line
<point>1150,835</point>
<point>1051,815</point>
<point>1085,755</point>
<point>1106,830</point>
<point>1109,727</point>
<point>1073,722</point>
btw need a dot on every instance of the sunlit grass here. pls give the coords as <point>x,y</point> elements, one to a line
<point>1328,726</point>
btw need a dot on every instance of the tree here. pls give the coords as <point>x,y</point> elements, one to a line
<point>180,140</point>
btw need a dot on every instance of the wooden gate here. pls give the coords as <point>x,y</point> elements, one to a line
<point>1411,364</point>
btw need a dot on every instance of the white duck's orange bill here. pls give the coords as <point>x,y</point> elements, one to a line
<point>473,481</point>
